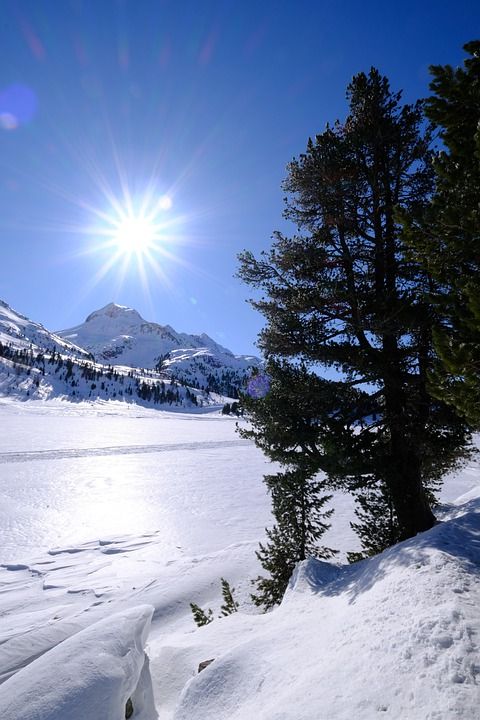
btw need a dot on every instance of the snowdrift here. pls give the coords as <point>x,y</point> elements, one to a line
<point>394,636</point>
<point>90,675</point>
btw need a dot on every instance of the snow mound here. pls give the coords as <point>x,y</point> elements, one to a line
<point>393,636</point>
<point>90,675</point>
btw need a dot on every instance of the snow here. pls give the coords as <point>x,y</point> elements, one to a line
<point>30,366</point>
<point>90,675</point>
<point>394,636</point>
<point>110,509</point>
<point>17,329</point>
<point>120,333</point>
<point>68,478</point>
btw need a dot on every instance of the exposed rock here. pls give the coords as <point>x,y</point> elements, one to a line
<point>204,664</point>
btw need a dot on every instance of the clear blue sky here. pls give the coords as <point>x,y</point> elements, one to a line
<point>203,102</point>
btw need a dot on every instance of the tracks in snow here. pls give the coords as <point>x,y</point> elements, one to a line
<point>65,453</point>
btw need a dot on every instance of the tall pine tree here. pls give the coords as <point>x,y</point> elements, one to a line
<point>342,294</point>
<point>446,237</point>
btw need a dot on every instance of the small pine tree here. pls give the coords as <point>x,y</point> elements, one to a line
<point>229,606</point>
<point>200,616</point>
<point>278,557</point>
<point>298,508</point>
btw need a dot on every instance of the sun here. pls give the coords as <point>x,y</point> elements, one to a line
<point>134,235</point>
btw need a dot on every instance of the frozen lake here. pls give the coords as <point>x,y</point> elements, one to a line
<point>73,473</point>
<point>70,474</point>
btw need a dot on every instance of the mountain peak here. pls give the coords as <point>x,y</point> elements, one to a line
<point>113,310</point>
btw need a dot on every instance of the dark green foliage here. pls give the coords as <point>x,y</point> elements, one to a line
<point>297,505</point>
<point>292,432</point>
<point>200,616</point>
<point>229,605</point>
<point>343,294</point>
<point>278,557</point>
<point>446,236</point>
<point>377,525</point>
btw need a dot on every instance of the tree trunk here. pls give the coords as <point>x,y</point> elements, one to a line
<point>409,499</point>
<point>403,470</point>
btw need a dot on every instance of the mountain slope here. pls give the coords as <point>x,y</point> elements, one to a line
<point>20,333</point>
<point>35,363</point>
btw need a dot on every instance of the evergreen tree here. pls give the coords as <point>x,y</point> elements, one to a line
<point>229,606</point>
<point>446,237</point>
<point>288,432</point>
<point>342,294</point>
<point>201,617</point>
<point>297,505</point>
<point>377,525</point>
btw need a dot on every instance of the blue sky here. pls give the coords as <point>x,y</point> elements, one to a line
<point>203,103</point>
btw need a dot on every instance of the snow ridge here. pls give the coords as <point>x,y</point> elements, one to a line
<point>393,636</point>
<point>92,674</point>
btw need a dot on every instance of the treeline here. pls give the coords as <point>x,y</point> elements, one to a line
<point>372,311</point>
<point>225,382</point>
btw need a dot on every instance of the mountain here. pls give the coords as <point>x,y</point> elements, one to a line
<point>118,334</point>
<point>123,358</point>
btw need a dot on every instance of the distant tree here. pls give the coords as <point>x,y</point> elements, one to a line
<point>343,294</point>
<point>445,236</point>
<point>69,365</point>
<point>161,362</point>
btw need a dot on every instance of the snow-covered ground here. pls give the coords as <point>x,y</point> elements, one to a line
<point>108,510</point>
<point>70,478</point>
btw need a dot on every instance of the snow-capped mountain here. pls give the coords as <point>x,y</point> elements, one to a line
<point>123,358</point>
<point>38,364</point>
<point>119,335</point>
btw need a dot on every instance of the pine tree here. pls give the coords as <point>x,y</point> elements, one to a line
<point>342,294</point>
<point>297,505</point>
<point>200,616</point>
<point>229,606</point>
<point>446,237</point>
<point>288,433</point>
<point>377,525</point>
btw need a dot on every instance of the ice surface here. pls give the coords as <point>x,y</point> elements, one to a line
<point>70,478</point>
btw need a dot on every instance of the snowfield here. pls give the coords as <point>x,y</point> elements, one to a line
<point>113,514</point>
